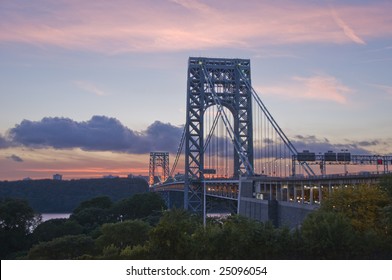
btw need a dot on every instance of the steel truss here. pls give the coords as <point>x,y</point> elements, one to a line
<point>216,82</point>
<point>378,160</point>
<point>158,159</point>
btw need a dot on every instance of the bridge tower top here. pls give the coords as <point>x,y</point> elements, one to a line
<point>158,159</point>
<point>223,83</point>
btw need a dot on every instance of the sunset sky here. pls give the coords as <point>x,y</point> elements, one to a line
<point>89,88</point>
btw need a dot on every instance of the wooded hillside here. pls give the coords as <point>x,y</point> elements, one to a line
<point>53,196</point>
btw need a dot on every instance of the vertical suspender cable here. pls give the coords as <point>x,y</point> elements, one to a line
<point>274,124</point>
<point>239,149</point>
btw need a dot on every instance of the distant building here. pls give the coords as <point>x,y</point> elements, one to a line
<point>58,177</point>
<point>27,179</point>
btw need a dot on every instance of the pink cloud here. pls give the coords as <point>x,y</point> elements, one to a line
<point>145,26</point>
<point>320,87</point>
<point>348,31</point>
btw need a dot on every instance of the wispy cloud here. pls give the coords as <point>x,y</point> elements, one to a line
<point>387,89</point>
<point>324,88</point>
<point>348,31</point>
<point>89,87</point>
<point>193,5</point>
<point>138,26</point>
<point>319,87</point>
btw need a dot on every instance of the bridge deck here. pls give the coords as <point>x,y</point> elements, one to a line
<point>304,190</point>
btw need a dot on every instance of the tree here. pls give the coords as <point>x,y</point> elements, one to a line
<point>362,205</point>
<point>137,252</point>
<point>386,221</point>
<point>54,228</point>
<point>64,248</point>
<point>386,184</point>
<point>91,218</point>
<point>93,213</point>
<point>242,238</point>
<point>368,209</point>
<point>53,196</point>
<point>101,202</point>
<point>17,220</point>
<point>123,234</point>
<point>328,235</point>
<point>172,237</point>
<point>372,245</point>
<point>17,214</point>
<point>234,239</point>
<point>139,206</point>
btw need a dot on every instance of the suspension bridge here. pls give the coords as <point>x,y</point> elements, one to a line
<point>233,150</point>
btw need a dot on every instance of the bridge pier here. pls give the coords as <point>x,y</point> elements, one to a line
<point>274,206</point>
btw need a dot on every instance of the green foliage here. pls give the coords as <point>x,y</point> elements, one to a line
<point>63,248</point>
<point>93,213</point>
<point>351,224</point>
<point>172,237</point>
<point>123,234</point>
<point>386,220</point>
<point>242,238</point>
<point>91,218</point>
<point>101,202</point>
<point>110,252</point>
<point>386,184</point>
<point>54,228</point>
<point>328,235</point>
<point>139,206</point>
<point>53,196</point>
<point>137,252</point>
<point>362,205</point>
<point>235,239</point>
<point>371,245</point>
<point>17,214</point>
<point>17,220</point>
<point>208,242</point>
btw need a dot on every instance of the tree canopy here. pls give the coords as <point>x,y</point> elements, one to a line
<point>363,205</point>
<point>17,220</point>
<point>54,196</point>
<point>352,223</point>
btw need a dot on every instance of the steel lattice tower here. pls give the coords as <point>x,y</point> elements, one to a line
<point>158,159</point>
<point>226,76</point>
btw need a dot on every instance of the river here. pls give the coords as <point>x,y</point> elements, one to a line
<point>50,216</point>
